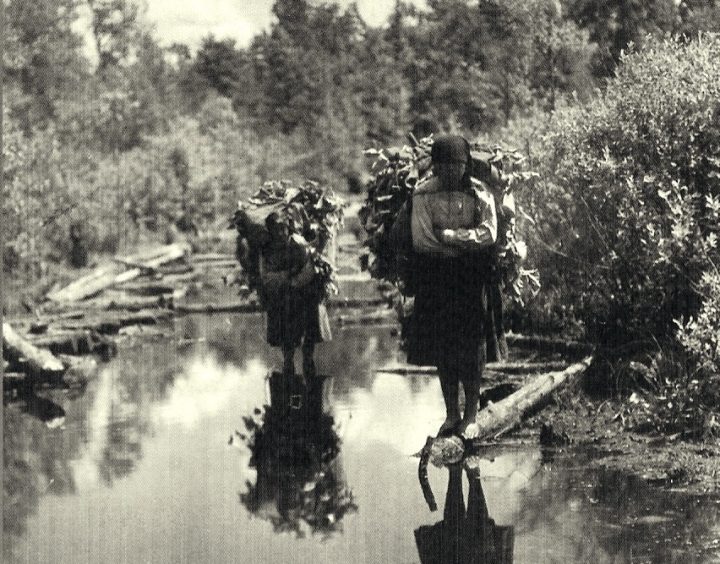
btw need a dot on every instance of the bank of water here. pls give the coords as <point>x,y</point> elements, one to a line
<point>175,453</point>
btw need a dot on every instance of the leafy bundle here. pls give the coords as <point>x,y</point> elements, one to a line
<point>396,174</point>
<point>313,211</point>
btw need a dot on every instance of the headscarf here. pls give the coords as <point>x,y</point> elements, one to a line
<point>450,149</point>
<point>453,149</point>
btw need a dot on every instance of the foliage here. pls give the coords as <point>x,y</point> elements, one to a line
<point>632,180</point>
<point>312,211</point>
<point>398,170</point>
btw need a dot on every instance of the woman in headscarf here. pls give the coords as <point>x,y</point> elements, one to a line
<point>454,227</point>
<point>292,296</point>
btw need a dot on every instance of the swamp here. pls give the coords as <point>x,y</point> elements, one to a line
<point>169,174</point>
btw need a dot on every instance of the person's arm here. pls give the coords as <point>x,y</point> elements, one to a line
<point>425,240</point>
<point>270,279</point>
<point>484,233</point>
<point>303,269</point>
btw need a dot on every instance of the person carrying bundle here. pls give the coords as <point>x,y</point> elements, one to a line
<point>454,227</point>
<point>292,296</point>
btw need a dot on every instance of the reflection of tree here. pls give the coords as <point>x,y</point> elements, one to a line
<point>300,484</point>
<point>35,460</point>
<point>465,536</point>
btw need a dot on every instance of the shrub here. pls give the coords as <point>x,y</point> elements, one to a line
<point>631,190</point>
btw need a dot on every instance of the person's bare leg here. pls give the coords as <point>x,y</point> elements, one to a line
<point>308,353</point>
<point>471,381</point>
<point>450,391</point>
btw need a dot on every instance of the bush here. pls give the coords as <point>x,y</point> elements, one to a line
<point>631,192</point>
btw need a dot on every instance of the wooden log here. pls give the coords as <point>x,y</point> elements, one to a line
<point>112,321</point>
<point>120,300</point>
<point>76,342</point>
<point>147,288</point>
<point>208,308</point>
<point>212,257</point>
<point>506,414</point>
<point>108,275</point>
<point>527,367</point>
<point>548,344</point>
<point>365,318</point>
<point>225,264</point>
<point>22,353</point>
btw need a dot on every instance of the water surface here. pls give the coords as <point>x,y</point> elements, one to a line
<point>182,450</point>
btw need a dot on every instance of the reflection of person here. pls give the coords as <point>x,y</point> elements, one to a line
<point>454,228</point>
<point>300,485</point>
<point>465,536</point>
<point>292,296</point>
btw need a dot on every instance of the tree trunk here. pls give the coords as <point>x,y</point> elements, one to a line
<point>21,352</point>
<point>505,415</point>
<point>109,275</point>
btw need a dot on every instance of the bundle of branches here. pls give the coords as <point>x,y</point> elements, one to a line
<point>397,171</point>
<point>313,212</point>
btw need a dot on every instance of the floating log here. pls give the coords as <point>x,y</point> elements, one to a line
<point>213,257</point>
<point>224,264</point>
<point>119,300</point>
<point>254,307</point>
<point>364,318</point>
<point>112,321</point>
<point>32,359</point>
<point>234,307</point>
<point>506,414</point>
<point>527,367</point>
<point>76,342</point>
<point>147,288</point>
<point>548,344</point>
<point>339,302</point>
<point>111,274</point>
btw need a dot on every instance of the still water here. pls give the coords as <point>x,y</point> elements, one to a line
<point>181,451</point>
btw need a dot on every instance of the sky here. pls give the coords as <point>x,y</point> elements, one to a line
<point>188,21</point>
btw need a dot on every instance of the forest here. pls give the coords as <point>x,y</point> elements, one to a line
<point>615,104</point>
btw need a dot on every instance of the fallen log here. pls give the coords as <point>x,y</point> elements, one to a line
<point>21,353</point>
<point>505,415</point>
<point>254,307</point>
<point>212,257</point>
<point>548,344</point>
<point>120,300</point>
<point>526,367</point>
<point>365,318</point>
<point>147,288</point>
<point>113,321</point>
<point>76,342</point>
<point>234,307</point>
<point>111,274</point>
<point>218,264</point>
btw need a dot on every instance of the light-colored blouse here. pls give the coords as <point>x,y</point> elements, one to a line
<point>449,224</point>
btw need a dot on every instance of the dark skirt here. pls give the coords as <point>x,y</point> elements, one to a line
<point>296,314</point>
<point>457,316</point>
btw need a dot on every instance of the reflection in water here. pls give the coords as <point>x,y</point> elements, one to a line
<point>300,486</point>
<point>465,536</point>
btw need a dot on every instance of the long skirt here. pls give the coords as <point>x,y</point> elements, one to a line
<point>296,315</point>
<point>456,322</point>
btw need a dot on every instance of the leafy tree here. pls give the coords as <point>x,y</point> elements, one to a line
<point>615,24</point>
<point>115,30</point>
<point>43,60</point>
<point>221,65</point>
